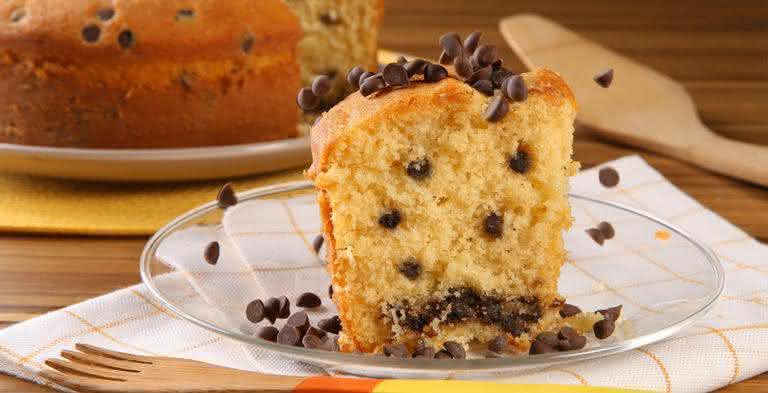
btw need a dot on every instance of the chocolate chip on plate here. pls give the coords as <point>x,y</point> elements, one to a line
<point>419,169</point>
<point>540,347</point>
<point>603,328</point>
<point>424,353</point>
<point>514,88</point>
<point>410,268</point>
<point>390,219</point>
<point>396,350</point>
<point>519,162</point>
<point>254,311</point>
<point>497,108</point>
<point>471,42</point>
<point>321,86</point>
<point>443,354</point>
<point>307,100</point>
<point>284,307</point>
<point>494,225</point>
<point>211,252</point>
<point>612,313</point>
<point>451,45</point>
<point>271,308</point>
<point>268,333</point>
<point>435,73</point>
<point>316,332</point>
<point>226,196</point>
<point>330,325</point>
<point>312,342</point>
<point>455,349</point>
<point>308,300</point>
<point>569,310</point>
<point>484,86</point>
<point>606,229</point>
<point>578,342</point>
<point>567,333</point>
<point>596,235</point>
<point>299,320</point>
<point>395,75</point>
<point>498,344</point>
<point>353,76</point>
<point>563,345</point>
<point>605,78</point>
<point>608,176</point>
<point>549,338</point>
<point>289,335</point>
<point>317,244</point>
<point>330,291</point>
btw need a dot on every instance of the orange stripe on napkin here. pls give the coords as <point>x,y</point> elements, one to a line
<point>336,385</point>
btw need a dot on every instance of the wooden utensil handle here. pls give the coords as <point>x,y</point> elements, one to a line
<point>732,158</point>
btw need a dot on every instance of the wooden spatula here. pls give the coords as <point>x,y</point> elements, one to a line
<point>642,107</point>
<point>94,369</point>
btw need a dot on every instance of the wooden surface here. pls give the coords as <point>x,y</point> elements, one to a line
<point>719,53</point>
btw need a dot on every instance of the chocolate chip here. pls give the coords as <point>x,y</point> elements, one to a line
<point>17,15</point>
<point>308,300</point>
<point>307,100</point>
<point>612,313</point>
<point>226,196</point>
<point>106,14</point>
<point>443,354</point>
<point>484,86</point>
<point>604,78</point>
<point>330,18</point>
<point>470,43</point>
<point>485,55</point>
<point>462,66</point>
<point>494,225</point>
<point>519,162</point>
<point>401,60</point>
<point>299,320</point>
<point>255,311</point>
<point>283,307</point>
<point>390,219</point>
<point>514,88</point>
<point>497,65</point>
<point>539,347</point>
<point>268,333</point>
<point>419,169</point>
<point>312,342</point>
<point>317,244</point>
<point>451,44</point>
<point>91,33</point>
<point>271,307</point>
<point>365,75</point>
<point>606,229</point>
<point>567,333</point>
<point>319,333</point>
<point>396,350</point>
<point>410,268</point>
<point>211,252</point>
<point>353,76</point>
<point>332,345</point>
<point>184,14</point>
<point>563,345</point>
<point>321,86</point>
<point>415,67</point>
<point>246,43</point>
<point>289,335</point>
<point>424,352</point>
<point>608,176</point>
<point>497,109</point>
<point>395,75</point>
<point>512,325</point>
<point>435,73</point>
<point>596,235</point>
<point>578,342</point>
<point>498,344</point>
<point>549,338</point>
<point>480,74</point>
<point>569,310</point>
<point>125,39</point>
<point>330,291</point>
<point>330,325</point>
<point>499,76</point>
<point>604,328</point>
<point>455,349</point>
<point>444,59</point>
<point>372,85</point>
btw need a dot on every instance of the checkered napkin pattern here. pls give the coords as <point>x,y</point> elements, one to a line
<point>266,250</point>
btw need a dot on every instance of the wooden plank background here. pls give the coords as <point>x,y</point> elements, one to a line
<point>718,49</point>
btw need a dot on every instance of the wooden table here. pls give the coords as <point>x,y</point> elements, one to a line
<point>720,53</point>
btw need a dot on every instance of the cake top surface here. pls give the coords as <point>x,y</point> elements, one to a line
<point>356,108</point>
<point>122,30</point>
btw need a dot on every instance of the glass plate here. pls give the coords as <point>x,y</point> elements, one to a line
<point>650,267</point>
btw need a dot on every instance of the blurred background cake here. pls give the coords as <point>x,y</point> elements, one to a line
<point>162,73</point>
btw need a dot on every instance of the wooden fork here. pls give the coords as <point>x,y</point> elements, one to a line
<point>94,369</point>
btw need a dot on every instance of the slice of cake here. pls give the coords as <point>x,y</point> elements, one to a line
<point>443,208</point>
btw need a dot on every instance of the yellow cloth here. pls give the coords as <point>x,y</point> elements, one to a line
<point>42,205</point>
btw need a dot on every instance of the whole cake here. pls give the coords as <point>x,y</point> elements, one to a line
<point>169,73</point>
<point>443,195</point>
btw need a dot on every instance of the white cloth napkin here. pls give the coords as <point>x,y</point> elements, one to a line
<point>727,346</point>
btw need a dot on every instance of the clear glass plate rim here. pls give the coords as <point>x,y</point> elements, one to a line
<point>336,358</point>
